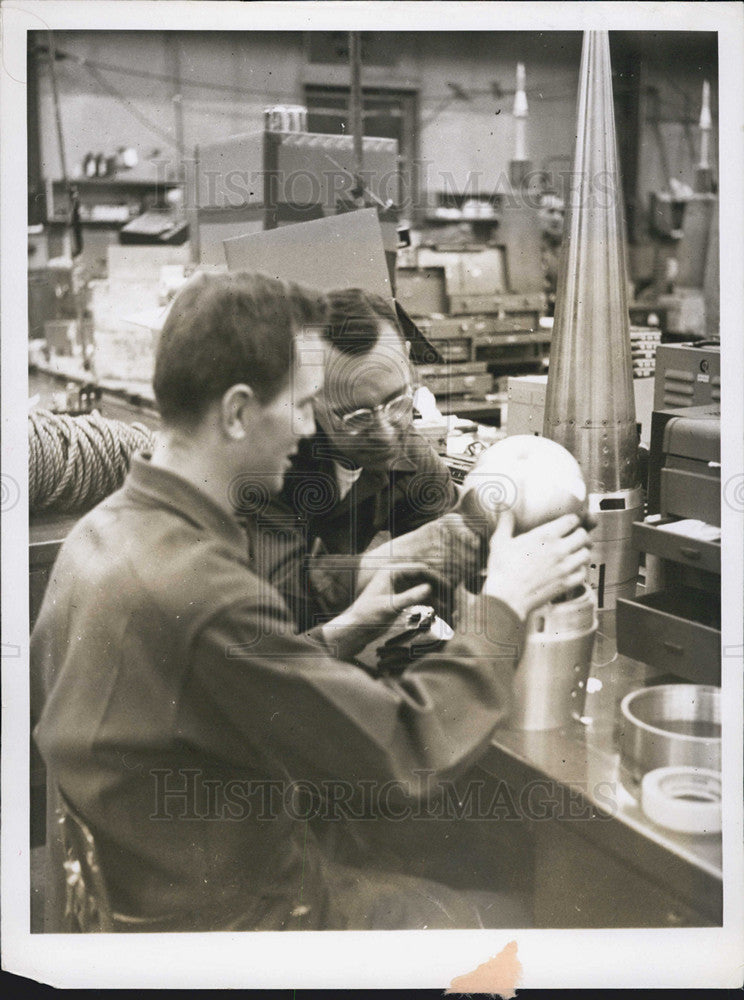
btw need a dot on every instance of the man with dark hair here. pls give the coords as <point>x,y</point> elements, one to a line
<point>194,367</point>
<point>185,711</point>
<point>365,476</point>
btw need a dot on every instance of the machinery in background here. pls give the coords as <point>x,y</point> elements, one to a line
<point>688,375</point>
<point>479,304</point>
<point>158,228</point>
<point>261,180</point>
<point>687,264</point>
<point>676,624</point>
<point>685,225</point>
<point>478,291</point>
<point>589,405</point>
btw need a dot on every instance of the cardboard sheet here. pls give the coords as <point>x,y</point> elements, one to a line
<point>341,251</point>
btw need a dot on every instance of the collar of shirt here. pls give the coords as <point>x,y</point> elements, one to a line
<point>345,478</point>
<point>170,490</point>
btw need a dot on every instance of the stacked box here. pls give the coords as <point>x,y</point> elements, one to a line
<point>643,342</point>
<point>125,310</point>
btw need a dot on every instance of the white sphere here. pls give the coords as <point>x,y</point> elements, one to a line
<point>533,476</point>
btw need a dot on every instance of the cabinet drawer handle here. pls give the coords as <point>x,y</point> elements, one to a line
<point>690,553</point>
<point>672,647</point>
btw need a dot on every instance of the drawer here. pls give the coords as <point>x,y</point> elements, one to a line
<point>453,348</point>
<point>690,494</point>
<point>650,537</point>
<point>676,631</point>
<point>474,304</point>
<point>456,384</point>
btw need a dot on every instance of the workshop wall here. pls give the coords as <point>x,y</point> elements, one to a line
<point>673,75</point>
<point>120,89</point>
<point>127,89</point>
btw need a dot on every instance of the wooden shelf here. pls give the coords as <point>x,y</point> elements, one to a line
<point>137,194</point>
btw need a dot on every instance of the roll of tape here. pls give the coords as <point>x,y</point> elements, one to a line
<point>685,799</point>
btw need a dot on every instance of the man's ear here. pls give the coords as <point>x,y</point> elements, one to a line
<point>237,407</point>
<point>320,412</point>
<point>408,349</point>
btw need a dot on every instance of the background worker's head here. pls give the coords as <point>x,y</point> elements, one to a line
<point>238,362</point>
<point>366,405</point>
<point>552,215</point>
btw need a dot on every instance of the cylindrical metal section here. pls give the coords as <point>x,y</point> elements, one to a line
<point>550,681</point>
<point>670,724</point>
<point>613,570</point>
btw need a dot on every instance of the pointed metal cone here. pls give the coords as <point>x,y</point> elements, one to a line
<point>590,406</point>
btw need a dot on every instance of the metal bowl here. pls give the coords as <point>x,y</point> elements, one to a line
<point>668,725</point>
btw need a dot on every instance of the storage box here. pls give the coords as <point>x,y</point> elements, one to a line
<point>62,336</point>
<point>526,404</point>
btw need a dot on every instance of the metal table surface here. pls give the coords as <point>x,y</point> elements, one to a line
<point>580,765</point>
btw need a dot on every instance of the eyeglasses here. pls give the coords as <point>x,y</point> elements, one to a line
<point>393,412</point>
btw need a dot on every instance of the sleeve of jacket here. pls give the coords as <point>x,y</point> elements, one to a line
<point>315,587</point>
<point>267,690</point>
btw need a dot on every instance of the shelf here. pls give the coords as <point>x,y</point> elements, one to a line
<point>442,221</point>
<point>103,195</point>
<point>122,182</point>
<point>91,223</point>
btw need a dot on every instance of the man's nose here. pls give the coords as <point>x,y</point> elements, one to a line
<point>382,431</point>
<point>304,422</point>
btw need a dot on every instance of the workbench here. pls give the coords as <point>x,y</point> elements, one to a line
<point>594,859</point>
<point>598,861</point>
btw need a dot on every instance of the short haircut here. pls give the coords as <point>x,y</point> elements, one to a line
<point>355,317</point>
<point>225,329</point>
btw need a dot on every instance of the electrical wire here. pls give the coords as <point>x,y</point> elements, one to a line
<point>127,103</point>
<point>57,112</point>
<point>76,461</point>
<point>170,78</point>
<point>428,99</point>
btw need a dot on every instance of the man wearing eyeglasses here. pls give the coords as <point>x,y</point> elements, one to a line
<point>365,476</point>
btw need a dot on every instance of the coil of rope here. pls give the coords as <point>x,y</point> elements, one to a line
<point>76,461</point>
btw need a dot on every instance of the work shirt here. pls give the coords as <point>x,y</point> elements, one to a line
<point>184,709</point>
<point>308,539</point>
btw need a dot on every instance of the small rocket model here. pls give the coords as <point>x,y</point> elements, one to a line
<point>519,167</point>
<point>520,115</point>
<point>590,405</point>
<point>705,125</point>
<point>703,172</point>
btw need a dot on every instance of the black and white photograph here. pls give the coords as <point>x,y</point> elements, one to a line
<point>372,494</point>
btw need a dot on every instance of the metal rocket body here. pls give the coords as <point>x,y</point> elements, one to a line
<point>590,405</point>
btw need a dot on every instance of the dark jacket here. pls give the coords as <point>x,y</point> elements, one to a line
<point>308,538</point>
<point>183,709</point>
